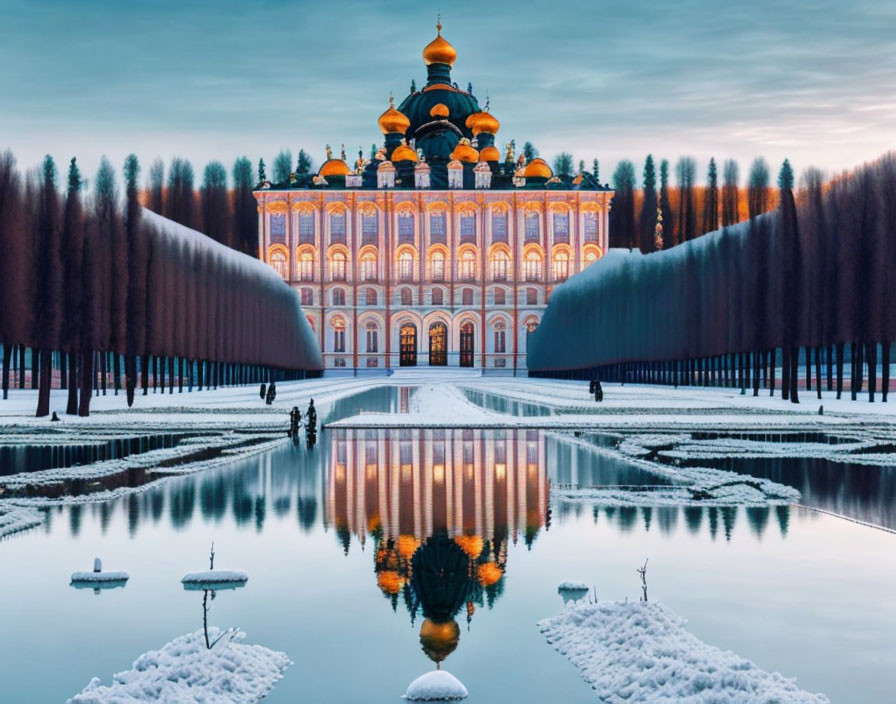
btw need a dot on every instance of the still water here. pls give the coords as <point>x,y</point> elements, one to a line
<point>329,538</point>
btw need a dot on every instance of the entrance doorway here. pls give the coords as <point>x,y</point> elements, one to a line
<point>466,345</point>
<point>438,345</point>
<point>407,345</point>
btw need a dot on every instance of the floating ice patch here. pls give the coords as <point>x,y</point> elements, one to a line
<point>93,577</point>
<point>184,670</point>
<point>436,686</point>
<point>215,579</point>
<point>641,652</point>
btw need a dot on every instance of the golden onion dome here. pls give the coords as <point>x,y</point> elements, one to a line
<point>483,122</point>
<point>489,573</point>
<point>465,152</point>
<point>334,167</point>
<point>390,582</point>
<point>439,110</point>
<point>393,120</point>
<point>407,545</point>
<point>490,153</point>
<point>439,639</point>
<point>538,168</point>
<point>439,51</point>
<point>404,153</point>
<point>471,544</point>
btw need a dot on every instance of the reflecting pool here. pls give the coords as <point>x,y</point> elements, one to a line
<point>379,553</point>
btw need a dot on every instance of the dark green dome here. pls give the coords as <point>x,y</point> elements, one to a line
<point>417,107</point>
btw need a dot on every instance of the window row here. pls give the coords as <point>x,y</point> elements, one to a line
<point>436,297</point>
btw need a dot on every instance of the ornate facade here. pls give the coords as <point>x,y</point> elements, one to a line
<point>438,250</point>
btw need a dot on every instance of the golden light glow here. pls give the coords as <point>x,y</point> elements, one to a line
<point>439,639</point>
<point>489,573</point>
<point>471,544</point>
<point>439,110</point>
<point>390,582</point>
<point>407,545</point>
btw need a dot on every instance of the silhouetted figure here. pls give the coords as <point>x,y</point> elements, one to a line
<point>55,417</point>
<point>311,425</point>
<point>263,391</point>
<point>311,415</point>
<point>272,394</point>
<point>591,387</point>
<point>295,419</point>
<point>598,391</point>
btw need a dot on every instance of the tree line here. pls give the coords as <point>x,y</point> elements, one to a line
<point>809,282</point>
<point>684,209</point>
<point>97,291</point>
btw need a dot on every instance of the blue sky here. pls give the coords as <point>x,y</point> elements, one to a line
<point>812,81</point>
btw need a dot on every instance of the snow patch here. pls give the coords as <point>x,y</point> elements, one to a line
<point>184,670</point>
<point>438,685</point>
<point>641,652</point>
<point>215,577</point>
<point>110,576</point>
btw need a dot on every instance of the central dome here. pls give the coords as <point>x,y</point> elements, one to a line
<point>439,51</point>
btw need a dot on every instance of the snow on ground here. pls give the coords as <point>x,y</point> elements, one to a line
<point>184,670</point>
<point>436,686</point>
<point>215,576</point>
<point>642,652</point>
<point>18,518</point>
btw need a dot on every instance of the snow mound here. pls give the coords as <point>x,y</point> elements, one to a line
<point>184,670</point>
<point>641,652</point>
<point>436,686</point>
<point>572,586</point>
<point>111,576</point>
<point>18,518</point>
<point>215,577</point>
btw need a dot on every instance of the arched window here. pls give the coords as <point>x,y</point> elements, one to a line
<point>437,297</point>
<point>368,267</point>
<point>306,266</point>
<point>561,266</point>
<point>500,297</point>
<point>590,257</point>
<point>370,296</point>
<point>338,266</point>
<point>372,335</point>
<point>500,266</point>
<point>278,261</point>
<point>337,228</point>
<point>533,226</point>
<point>500,338</point>
<point>467,297</point>
<point>339,336</point>
<point>533,266</point>
<point>406,297</point>
<point>406,266</point>
<point>406,227</point>
<point>467,266</point>
<point>531,325</point>
<point>338,297</point>
<point>437,266</point>
<point>531,296</point>
<point>307,296</point>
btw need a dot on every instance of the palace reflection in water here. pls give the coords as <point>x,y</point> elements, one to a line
<point>440,508</point>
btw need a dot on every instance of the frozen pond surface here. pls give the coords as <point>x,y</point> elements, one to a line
<point>328,539</point>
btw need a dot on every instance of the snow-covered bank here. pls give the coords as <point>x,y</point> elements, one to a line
<point>18,518</point>
<point>642,652</point>
<point>184,670</point>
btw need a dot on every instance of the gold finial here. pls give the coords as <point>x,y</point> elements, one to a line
<point>439,23</point>
<point>391,100</point>
<point>329,153</point>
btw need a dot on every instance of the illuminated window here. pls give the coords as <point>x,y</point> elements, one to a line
<point>338,266</point>
<point>590,227</point>
<point>590,257</point>
<point>278,261</point>
<point>406,266</point>
<point>531,325</point>
<point>368,267</point>
<point>561,266</point>
<point>532,267</point>
<point>372,334</point>
<point>500,266</point>
<point>306,266</point>
<point>438,266</point>
<point>467,266</point>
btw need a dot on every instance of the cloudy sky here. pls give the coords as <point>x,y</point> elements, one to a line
<point>812,81</point>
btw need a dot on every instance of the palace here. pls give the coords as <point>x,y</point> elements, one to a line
<point>439,250</point>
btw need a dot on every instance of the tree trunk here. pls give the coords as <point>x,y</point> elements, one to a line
<point>130,378</point>
<point>46,374</point>
<point>104,370</point>
<point>144,374</point>
<point>830,370</point>
<point>756,363</point>
<point>116,372</point>
<point>794,374</point>
<point>771,371</point>
<point>840,350</point>
<point>35,375</point>
<point>808,351</point>
<point>86,383</point>
<point>885,370</point>
<point>872,371</point>
<point>785,372</point>
<point>21,366</point>
<point>818,370</point>
<point>71,407</point>
<point>854,372</point>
